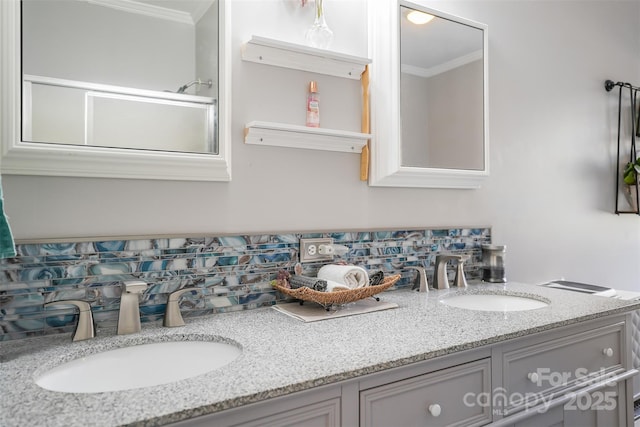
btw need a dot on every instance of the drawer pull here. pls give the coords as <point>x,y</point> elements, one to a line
<point>435,410</point>
<point>608,352</point>
<point>533,377</point>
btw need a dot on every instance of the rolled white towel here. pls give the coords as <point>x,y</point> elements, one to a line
<point>335,286</point>
<point>349,275</point>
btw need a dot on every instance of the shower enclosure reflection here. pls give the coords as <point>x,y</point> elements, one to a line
<point>126,74</point>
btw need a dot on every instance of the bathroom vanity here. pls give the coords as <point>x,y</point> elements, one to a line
<point>424,363</point>
<point>457,390</point>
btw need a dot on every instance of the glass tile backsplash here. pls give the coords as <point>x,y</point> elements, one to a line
<point>233,272</point>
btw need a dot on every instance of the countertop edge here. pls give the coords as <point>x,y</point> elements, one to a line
<point>350,375</point>
<point>408,331</point>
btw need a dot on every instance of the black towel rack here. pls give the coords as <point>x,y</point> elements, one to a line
<point>609,85</point>
<point>635,131</point>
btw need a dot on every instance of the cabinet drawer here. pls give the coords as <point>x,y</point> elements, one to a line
<point>454,396</point>
<point>536,370</point>
<point>321,414</point>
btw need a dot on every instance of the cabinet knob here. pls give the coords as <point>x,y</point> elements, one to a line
<point>435,410</point>
<point>533,377</point>
<point>608,352</point>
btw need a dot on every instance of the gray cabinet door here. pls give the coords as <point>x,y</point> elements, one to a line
<point>602,408</point>
<point>454,396</point>
<point>322,414</point>
<point>319,407</point>
<point>598,409</point>
<point>551,418</point>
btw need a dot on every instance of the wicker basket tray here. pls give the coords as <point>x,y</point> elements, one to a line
<point>327,299</point>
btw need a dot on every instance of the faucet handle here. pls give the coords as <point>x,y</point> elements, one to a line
<point>172,315</point>
<point>422,277</point>
<point>85,328</point>
<point>447,258</point>
<point>134,286</point>
<point>460,280</point>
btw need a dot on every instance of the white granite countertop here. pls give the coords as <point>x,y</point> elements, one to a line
<point>280,354</point>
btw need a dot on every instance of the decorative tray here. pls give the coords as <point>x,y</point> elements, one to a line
<point>327,299</point>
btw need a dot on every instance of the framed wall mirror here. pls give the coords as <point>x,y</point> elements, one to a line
<point>429,99</point>
<point>116,88</point>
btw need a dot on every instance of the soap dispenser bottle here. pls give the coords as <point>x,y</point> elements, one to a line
<point>313,106</point>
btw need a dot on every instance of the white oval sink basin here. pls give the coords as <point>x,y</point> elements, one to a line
<point>138,366</point>
<point>493,302</point>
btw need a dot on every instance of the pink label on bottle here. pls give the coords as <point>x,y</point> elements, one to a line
<point>313,112</point>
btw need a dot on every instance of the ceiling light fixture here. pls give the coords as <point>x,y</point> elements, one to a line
<point>419,18</point>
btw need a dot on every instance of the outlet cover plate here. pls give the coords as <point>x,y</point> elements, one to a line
<point>309,249</point>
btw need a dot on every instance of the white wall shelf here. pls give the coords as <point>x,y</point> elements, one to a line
<point>290,55</point>
<point>293,136</point>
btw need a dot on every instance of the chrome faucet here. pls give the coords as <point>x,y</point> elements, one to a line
<point>172,315</point>
<point>440,279</point>
<point>422,279</point>
<point>85,328</point>
<point>129,316</point>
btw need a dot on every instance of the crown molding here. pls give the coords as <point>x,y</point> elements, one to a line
<point>444,67</point>
<point>140,8</point>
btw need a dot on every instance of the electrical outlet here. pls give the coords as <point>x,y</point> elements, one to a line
<point>310,250</point>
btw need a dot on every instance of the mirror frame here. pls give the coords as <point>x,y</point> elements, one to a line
<point>19,157</point>
<point>384,49</point>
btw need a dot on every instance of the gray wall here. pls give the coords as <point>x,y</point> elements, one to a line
<point>148,52</point>
<point>442,120</point>
<point>550,195</point>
